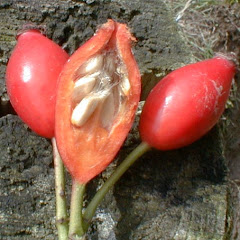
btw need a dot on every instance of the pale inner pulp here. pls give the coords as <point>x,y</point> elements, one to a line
<point>101,87</point>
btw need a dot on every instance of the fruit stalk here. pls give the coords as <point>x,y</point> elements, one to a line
<point>61,208</point>
<point>121,169</point>
<point>76,230</point>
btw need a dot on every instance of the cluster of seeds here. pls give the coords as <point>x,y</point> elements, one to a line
<point>101,86</point>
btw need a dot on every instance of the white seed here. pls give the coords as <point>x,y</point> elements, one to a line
<point>102,85</point>
<point>94,64</point>
<point>108,111</point>
<point>83,86</point>
<point>125,85</point>
<point>83,111</point>
<point>120,70</point>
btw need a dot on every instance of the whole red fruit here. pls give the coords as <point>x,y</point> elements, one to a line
<point>186,104</point>
<point>31,79</point>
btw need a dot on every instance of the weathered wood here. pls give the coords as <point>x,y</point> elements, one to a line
<point>159,48</point>
<point>182,194</point>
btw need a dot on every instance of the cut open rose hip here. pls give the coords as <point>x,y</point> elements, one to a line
<point>98,93</point>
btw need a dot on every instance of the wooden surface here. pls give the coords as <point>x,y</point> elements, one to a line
<point>182,194</point>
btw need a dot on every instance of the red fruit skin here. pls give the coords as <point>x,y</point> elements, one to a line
<point>186,104</point>
<point>86,151</point>
<point>31,79</point>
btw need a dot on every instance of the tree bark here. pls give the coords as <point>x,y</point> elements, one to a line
<point>181,194</point>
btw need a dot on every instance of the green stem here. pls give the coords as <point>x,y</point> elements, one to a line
<point>61,207</point>
<point>76,230</point>
<point>121,169</point>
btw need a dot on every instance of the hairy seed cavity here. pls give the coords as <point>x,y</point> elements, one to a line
<point>102,82</point>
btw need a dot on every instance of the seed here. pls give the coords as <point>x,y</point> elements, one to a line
<point>125,85</point>
<point>108,111</point>
<point>120,70</point>
<point>83,86</point>
<point>104,85</point>
<point>94,64</point>
<point>83,111</point>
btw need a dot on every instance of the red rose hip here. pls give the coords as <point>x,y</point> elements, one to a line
<point>98,93</point>
<point>31,79</point>
<point>186,103</point>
